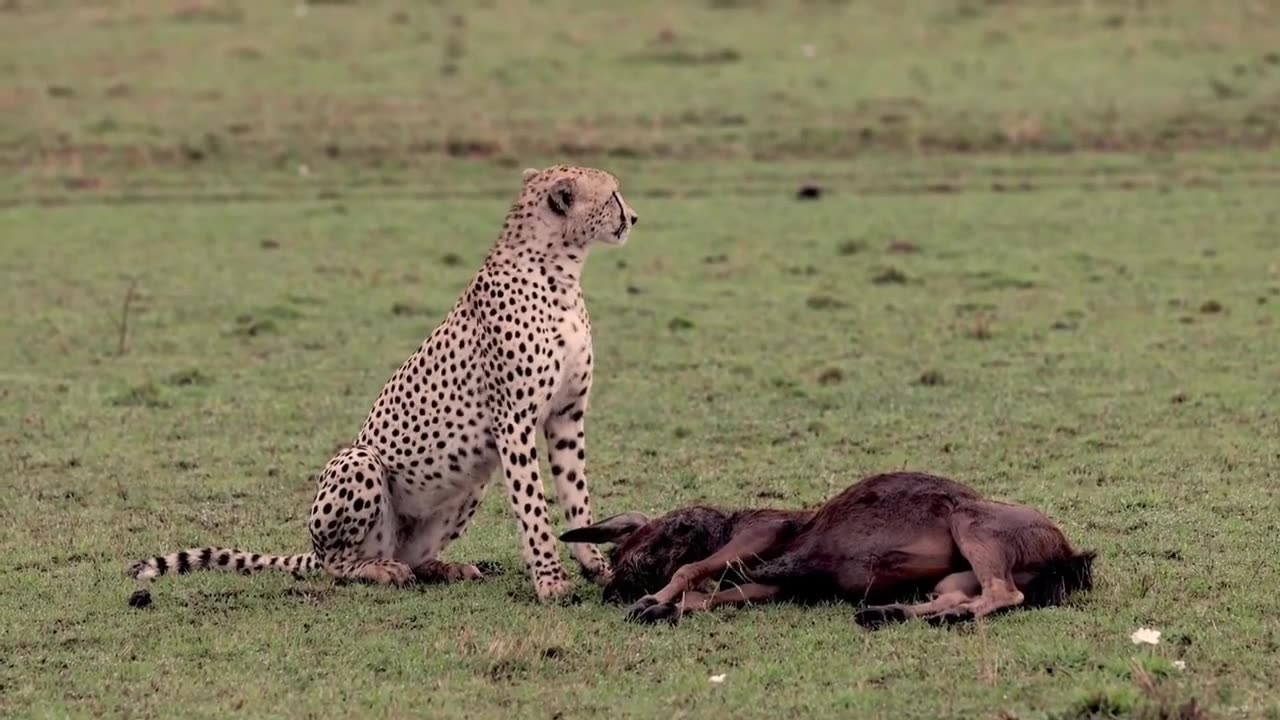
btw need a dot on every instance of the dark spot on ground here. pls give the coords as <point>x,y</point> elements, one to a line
<point>679,323</point>
<point>1178,398</point>
<point>407,308</point>
<point>824,302</point>
<point>902,247</point>
<point>147,395</point>
<point>1063,325</point>
<point>195,12</point>
<point>187,378</point>
<point>472,148</point>
<point>553,653</point>
<point>850,247</point>
<point>633,290</point>
<point>269,244</point>
<point>1175,555</point>
<point>831,376</point>
<point>1210,307</point>
<point>680,432</point>
<point>81,182</point>
<point>931,378</point>
<point>505,670</point>
<point>889,276</point>
<point>717,259</point>
<point>186,465</point>
<point>451,259</point>
<point>60,91</point>
<point>263,322</point>
<point>249,327</point>
<point>980,329</point>
<point>684,56</point>
<point>808,192</point>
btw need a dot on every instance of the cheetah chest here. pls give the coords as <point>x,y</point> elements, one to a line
<point>574,382</point>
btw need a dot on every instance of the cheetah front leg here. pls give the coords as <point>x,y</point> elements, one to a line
<point>566,437</point>
<point>517,446</point>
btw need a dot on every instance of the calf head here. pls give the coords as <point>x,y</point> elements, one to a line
<point>646,553</point>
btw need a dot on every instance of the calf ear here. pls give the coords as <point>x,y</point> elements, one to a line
<point>610,530</point>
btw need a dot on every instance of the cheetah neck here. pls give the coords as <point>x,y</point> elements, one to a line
<point>552,264</point>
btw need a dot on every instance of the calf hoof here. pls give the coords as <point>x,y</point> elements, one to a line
<point>667,612</point>
<point>874,618</point>
<point>640,606</point>
<point>649,611</point>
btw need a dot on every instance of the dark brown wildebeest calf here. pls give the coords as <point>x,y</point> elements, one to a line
<point>883,539</point>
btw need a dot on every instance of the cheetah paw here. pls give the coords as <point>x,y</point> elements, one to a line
<point>387,572</point>
<point>600,575</point>
<point>556,590</point>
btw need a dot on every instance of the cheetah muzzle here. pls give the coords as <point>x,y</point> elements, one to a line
<point>512,358</point>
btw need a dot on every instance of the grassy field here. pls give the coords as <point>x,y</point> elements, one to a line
<point>1045,262</point>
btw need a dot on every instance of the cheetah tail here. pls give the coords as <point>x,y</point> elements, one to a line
<point>227,559</point>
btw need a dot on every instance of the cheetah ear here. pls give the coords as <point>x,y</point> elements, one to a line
<point>528,174</point>
<point>610,530</point>
<point>560,197</point>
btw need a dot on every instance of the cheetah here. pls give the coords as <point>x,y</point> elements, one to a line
<point>512,358</point>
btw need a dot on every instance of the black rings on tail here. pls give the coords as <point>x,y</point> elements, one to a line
<point>225,559</point>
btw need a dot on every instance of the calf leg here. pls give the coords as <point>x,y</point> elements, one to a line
<point>743,547</point>
<point>702,602</point>
<point>950,593</point>
<point>987,536</point>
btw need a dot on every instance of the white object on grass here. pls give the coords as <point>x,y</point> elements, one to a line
<point>1145,635</point>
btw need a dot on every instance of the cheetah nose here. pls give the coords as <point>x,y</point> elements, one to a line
<point>634,219</point>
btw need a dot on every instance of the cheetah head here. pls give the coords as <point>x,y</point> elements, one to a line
<point>581,205</point>
<point>646,553</point>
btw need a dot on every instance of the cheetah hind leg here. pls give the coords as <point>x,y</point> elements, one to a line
<point>352,526</point>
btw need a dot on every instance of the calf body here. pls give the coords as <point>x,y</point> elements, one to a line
<point>883,539</point>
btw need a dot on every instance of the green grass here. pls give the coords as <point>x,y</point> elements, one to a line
<point>981,291</point>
